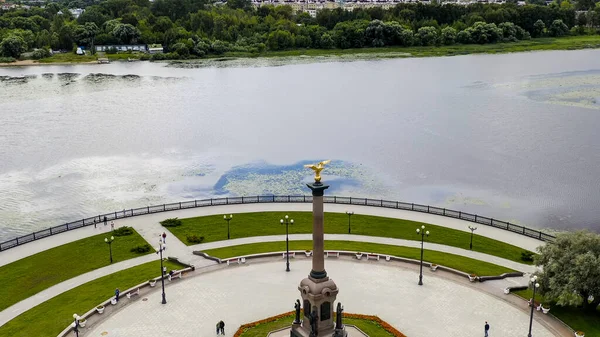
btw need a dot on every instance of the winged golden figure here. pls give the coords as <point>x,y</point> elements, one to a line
<point>318,168</point>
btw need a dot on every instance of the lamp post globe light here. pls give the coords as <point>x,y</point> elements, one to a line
<point>161,247</point>
<point>109,242</point>
<point>423,234</point>
<point>228,219</point>
<point>287,222</point>
<point>472,228</point>
<point>349,215</point>
<point>535,285</point>
<point>75,324</point>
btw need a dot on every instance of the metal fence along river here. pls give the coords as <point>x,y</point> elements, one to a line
<point>533,233</point>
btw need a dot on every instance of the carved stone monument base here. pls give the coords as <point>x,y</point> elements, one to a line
<point>340,333</point>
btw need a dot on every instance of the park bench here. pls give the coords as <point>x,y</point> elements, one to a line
<point>373,257</point>
<point>291,254</point>
<point>332,254</point>
<point>239,260</point>
<point>133,293</point>
<point>175,274</point>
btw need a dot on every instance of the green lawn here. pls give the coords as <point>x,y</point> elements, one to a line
<point>51,317</point>
<point>576,318</point>
<point>465,264</point>
<point>26,277</point>
<point>214,228</point>
<point>373,329</point>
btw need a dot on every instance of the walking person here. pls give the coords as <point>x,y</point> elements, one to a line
<point>112,225</point>
<point>222,327</point>
<point>95,223</point>
<point>105,220</point>
<point>218,326</point>
<point>117,292</point>
<point>164,236</point>
<point>487,328</point>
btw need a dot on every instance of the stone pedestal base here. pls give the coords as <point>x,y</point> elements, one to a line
<point>340,333</point>
<point>318,295</point>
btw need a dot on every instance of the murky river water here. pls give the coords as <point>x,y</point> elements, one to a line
<point>511,136</point>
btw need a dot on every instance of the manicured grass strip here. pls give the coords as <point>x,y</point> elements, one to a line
<point>368,324</point>
<point>461,263</point>
<point>26,277</point>
<point>577,319</point>
<point>214,228</point>
<point>52,316</point>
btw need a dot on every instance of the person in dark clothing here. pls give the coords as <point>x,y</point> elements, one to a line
<point>222,327</point>
<point>105,220</point>
<point>487,328</point>
<point>117,292</point>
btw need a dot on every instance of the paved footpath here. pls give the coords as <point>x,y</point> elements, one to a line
<point>149,228</point>
<point>441,307</point>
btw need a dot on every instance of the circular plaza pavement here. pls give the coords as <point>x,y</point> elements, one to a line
<point>241,294</point>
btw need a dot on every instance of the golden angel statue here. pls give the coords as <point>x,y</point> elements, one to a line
<point>318,168</point>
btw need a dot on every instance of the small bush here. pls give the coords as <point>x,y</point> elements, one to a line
<point>171,222</point>
<point>123,231</point>
<point>7,59</point>
<point>158,57</point>
<point>194,238</point>
<point>141,249</point>
<point>527,256</point>
<point>145,57</point>
<point>40,54</point>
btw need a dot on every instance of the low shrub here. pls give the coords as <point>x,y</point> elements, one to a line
<point>123,231</point>
<point>141,249</point>
<point>40,54</point>
<point>193,238</point>
<point>7,59</point>
<point>527,256</point>
<point>171,222</point>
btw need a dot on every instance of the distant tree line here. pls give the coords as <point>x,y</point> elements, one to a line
<point>195,28</point>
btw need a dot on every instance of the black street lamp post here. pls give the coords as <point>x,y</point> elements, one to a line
<point>75,324</point>
<point>423,233</point>
<point>161,247</point>
<point>287,241</point>
<point>109,242</point>
<point>349,215</point>
<point>228,219</point>
<point>535,286</point>
<point>472,228</point>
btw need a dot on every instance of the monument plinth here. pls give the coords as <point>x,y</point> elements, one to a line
<point>318,291</point>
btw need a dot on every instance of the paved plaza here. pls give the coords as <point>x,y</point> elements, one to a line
<point>241,294</point>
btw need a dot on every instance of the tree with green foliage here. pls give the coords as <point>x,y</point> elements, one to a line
<point>539,28</point>
<point>428,36</point>
<point>12,46</point>
<point>558,28</point>
<point>448,35</point>
<point>126,33</point>
<point>571,269</point>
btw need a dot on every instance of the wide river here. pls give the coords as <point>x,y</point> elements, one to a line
<point>515,136</point>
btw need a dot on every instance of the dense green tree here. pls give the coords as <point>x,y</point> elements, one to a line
<point>464,37</point>
<point>428,36</point>
<point>280,40</point>
<point>538,28</point>
<point>571,269</point>
<point>126,33</point>
<point>558,28</point>
<point>448,35</point>
<point>93,14</point>
<point>326,41</point>
<point>12,46</point>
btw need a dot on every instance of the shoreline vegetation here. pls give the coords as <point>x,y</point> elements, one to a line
<point>539,44</point>
<point>205,29</point>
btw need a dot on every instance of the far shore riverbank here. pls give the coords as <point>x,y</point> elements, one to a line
<point>540,44</point>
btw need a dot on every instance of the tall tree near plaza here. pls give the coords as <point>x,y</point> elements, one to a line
<point>571,269</point>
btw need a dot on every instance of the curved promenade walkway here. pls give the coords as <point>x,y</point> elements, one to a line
<point>441,307</point>
<point>148,226</point>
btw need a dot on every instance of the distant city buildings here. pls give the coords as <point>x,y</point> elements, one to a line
<point>313,6</point>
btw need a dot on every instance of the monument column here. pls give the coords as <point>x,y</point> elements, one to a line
<point>318,259</point>
<point>318,291</point>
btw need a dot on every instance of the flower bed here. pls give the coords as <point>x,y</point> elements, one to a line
<point>384,325</point>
